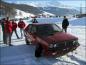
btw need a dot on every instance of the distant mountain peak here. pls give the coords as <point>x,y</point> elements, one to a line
<point>43,3</point>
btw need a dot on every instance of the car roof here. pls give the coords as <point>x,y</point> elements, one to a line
<point>40,23</point>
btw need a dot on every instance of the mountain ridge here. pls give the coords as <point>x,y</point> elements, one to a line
<point>10,8</point>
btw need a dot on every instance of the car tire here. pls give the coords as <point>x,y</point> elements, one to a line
<point>38,50</point>
<point>27,42</point>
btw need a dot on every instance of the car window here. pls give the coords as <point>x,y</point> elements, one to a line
<point>47,29</point>
<point>32,29</point>
<point>56,28</point>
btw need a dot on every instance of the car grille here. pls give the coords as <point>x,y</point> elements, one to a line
<point>64,45</point>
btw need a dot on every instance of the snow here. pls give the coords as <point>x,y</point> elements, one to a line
<point>80,21</point>
<point>22,14</point>
<point>47,13</point>
<point>21,54</point>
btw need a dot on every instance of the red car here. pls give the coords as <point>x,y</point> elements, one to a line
<point>49,39</point>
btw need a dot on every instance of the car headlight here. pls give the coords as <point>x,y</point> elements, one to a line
<point>55,45</point>
<point>75,42</point>
<point>52,45</point>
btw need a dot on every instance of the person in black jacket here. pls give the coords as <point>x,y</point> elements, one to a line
<point>34,20</point>
<point>65,24</point>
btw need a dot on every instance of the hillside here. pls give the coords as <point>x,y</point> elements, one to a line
<point>10,9</point>
<point>27,8</point>
<point>6,9</point>
<point>59,11</point>
<point>55,7</point>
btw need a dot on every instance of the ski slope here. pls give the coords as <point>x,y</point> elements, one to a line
<point>21,54</point>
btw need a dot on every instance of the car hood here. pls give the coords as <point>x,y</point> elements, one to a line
<point>59,37</point>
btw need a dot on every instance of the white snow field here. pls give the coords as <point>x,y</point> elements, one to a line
<point>22,54</point>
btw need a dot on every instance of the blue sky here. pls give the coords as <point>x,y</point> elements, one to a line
<point>73,3</point>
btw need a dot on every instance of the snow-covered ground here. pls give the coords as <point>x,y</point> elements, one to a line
<point>22,14</point>
<point>21,54</point>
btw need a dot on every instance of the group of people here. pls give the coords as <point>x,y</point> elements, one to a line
<point>8,27</point>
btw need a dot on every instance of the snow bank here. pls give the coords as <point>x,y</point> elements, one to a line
<point>79,21</point>
<point>22,14</point>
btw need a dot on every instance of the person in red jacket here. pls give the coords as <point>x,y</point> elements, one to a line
<point>14,26</point>
<point>8,31</point>
<point>21,25</point>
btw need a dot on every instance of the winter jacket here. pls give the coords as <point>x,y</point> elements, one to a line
<point>34,21</point>
<point>2,24</point>
<point>8,27</point>
<point>14,25</point>
<point>21,24</point>
<point>65,23</point>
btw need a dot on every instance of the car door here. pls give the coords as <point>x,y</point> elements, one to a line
<point>31,35</point>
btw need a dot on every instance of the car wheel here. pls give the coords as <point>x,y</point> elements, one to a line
<point>27,42</point>
<point>38,50</point>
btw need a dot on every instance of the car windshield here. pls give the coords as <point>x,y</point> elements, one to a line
<point>47,29</point>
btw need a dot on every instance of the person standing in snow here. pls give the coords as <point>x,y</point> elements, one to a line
<point>14,26</point>
<point>65,24</point>
<point>3,25</point>
<point>21,25</point>
<point>34,20</point>
<point>8,31</point>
